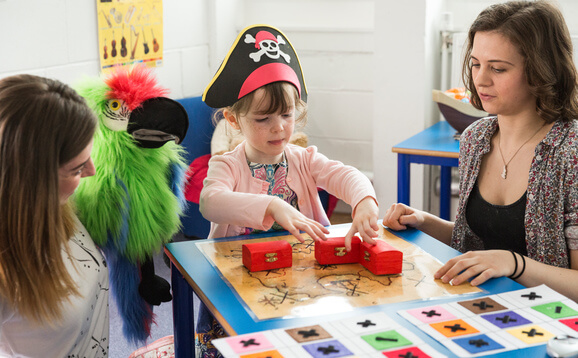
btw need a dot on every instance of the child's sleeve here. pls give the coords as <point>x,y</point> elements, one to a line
<point>222,201</point>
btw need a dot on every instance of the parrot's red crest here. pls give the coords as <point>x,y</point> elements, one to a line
<point>134,86</point>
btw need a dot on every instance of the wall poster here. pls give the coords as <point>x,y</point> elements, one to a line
<point>130,32</point>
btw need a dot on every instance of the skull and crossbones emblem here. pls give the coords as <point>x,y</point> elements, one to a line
<point>267,44</point>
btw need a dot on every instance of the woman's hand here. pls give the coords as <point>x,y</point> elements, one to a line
<point>479,265</point>
<point>400,216</point>
<point>293,221</point>
<point>365,218</point>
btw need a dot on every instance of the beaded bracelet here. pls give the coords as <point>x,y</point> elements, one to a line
<point>516,265</point>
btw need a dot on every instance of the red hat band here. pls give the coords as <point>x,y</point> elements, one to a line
<point>272,72</point>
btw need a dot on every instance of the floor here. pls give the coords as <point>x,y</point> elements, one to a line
<point>120,348</point>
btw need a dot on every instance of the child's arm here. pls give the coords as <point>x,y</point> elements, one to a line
<point>293,221</point>
<point>365,216</point>
<point>222,205</point>
<point>353,187</point>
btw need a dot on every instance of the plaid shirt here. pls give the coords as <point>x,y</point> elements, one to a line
<point>551,218</point>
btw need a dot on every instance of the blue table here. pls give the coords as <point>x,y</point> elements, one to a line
<point>192,274</point>
<point>434,146</point>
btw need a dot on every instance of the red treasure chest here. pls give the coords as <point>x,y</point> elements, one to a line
<point>380,259</point>
<point>332,251</point>
<point>268,255</point>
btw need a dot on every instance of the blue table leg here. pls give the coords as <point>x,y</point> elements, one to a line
<point>445,191</point>
<point>183,315</point>
<point>403,178</point>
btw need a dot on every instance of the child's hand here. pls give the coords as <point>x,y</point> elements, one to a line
<point>400,216</point>
<point>293,221</point>
<point>364,222</point>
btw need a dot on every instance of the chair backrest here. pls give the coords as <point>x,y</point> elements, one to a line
<point>198,139</point>
<point>197,142</point>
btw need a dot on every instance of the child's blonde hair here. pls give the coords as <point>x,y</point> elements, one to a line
<point>278,94</point>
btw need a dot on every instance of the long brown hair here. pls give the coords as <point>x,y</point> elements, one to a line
<point>538,30</point>
<point>43,125</point>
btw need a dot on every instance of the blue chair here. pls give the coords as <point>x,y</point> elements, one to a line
<point>197,142</point>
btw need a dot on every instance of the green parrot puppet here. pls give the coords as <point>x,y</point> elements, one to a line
<point>132,206</point>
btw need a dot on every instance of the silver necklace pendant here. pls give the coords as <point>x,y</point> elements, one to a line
<point>504,173</point>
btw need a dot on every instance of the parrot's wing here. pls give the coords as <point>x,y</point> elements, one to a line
<point>122,239</point>
<point>177,182</point>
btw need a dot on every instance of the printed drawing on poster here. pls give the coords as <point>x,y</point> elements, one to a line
<point>130,32</point>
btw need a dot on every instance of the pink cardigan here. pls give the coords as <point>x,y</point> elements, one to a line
<point>232,199</point>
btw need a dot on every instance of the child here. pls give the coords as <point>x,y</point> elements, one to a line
<point>265,183</point>
<point>518,205</point>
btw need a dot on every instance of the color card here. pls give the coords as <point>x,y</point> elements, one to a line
<point>571,322</point>
<point>327,349</point>
<point>532,296</point>
<point>386,340</point>
<point>555,310</point>
<point>248,343</point>
<point>506,319</point>
<point>268,354</point>
<point>532,334</point>
<point>482,305</point>
<point>368,323</point>
<point>478,344</point>
<point>454,328</point>
<point>308,334</point>
<point>410,352</point>
<point>431,314</point>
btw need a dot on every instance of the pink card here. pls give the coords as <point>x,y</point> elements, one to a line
<point>431,314</point>
<point>249,342</point>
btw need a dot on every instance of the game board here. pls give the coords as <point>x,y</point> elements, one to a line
<point>310,289</point>
<point>468,328</point>
<point>363,337</point>
<point>498,323</point>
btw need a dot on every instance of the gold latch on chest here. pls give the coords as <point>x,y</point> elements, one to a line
<point>340,251</point>
<point>366,256</point>
<point>271,257</point>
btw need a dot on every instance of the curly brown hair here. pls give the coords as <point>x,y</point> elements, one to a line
<point>538,30</point>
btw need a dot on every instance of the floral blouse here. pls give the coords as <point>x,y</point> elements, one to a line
<point>276,176</point>
<point>551,218</point>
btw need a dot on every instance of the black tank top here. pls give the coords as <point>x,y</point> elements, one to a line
<point>499,226</point>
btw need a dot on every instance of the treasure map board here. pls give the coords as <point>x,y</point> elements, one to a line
<point>309,289</point>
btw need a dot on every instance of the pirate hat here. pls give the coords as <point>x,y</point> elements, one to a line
<point>260,55</point>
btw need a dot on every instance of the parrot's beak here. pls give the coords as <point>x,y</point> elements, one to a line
<point>157,121</point>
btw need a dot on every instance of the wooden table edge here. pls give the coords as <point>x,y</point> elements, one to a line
<point>428,153</point>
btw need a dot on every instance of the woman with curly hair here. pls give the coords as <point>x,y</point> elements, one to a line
<point>518,204</point>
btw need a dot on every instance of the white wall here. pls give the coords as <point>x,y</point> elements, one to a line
<point>369,65</point>
<point>58,39</point>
